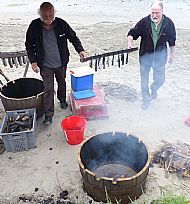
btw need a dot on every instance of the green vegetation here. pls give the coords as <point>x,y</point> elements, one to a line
<point>165,198</point>
<point>108,198</point>
<point>169,198</point>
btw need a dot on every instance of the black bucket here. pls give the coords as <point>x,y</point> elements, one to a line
<point>23,93</point>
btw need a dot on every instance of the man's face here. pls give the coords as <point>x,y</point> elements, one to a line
<point>47,16</point>
<point>156,13</point>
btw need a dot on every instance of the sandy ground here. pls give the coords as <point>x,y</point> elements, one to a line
<point>100,30</point>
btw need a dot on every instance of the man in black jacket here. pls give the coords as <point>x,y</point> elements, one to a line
<point>47,49</point>
<point>155,30</point>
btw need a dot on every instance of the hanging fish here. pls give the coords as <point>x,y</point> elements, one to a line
<point>90,63</point>
<point>4,62</point>
<point>108,61</point>
<point>15,62</point>
<point>10,62</point>
<point>122,58</point>
<point>19,60</point>
<point>118,61</point>
<point>103,62</point>
<point>126,60</point>
<point>112,63</point>
<point>24,59</point>
<point>96,64</point>
<point>99,62</point>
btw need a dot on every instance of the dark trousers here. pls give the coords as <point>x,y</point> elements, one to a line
<point>158,79</point>
<point>48,81</point>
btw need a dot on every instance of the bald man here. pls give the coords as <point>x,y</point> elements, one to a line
<point>156,31</point>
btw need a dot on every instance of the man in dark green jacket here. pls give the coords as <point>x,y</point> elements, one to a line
<point>156,31</point>
<point>47,49</point>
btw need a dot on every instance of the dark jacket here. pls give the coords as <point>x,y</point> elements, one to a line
<point>63,32</point>
<point>147,54</point>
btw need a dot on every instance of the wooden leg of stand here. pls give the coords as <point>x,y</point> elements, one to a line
<point>2,73</point>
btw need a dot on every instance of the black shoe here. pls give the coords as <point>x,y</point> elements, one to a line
<point>48,120</point>
<point>63,104</point>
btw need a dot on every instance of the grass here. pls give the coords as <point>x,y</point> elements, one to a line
<point>169,198</point>
<point>165,198</point>
<point>108,198</point>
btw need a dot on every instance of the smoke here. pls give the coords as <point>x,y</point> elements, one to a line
<point>157,58</point>
<point>115,148</point>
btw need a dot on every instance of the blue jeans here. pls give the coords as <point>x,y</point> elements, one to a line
<point>158,79</point>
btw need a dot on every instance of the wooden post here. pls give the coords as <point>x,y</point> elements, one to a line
<point>26,68</point>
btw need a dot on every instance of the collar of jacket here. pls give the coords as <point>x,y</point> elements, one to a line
<point>40,27</point>
<point>40,22</point>
<point>148,23</point>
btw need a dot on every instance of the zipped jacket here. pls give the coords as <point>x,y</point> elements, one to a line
<point>148,55</point>
<point>63,33</point>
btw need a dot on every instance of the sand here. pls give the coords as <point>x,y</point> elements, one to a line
<point>101,27</point>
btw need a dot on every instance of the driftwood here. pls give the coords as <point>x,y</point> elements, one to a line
<point>174,157</point>
<point>15,59</point>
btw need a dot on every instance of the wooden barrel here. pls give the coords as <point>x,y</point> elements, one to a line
<point>120,150</point>
<point>23,93</point>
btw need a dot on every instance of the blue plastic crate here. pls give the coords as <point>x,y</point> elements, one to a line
<point>83,94</point>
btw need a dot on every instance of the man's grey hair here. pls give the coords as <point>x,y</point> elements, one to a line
<point>44,6</point>
<point>158,3</point>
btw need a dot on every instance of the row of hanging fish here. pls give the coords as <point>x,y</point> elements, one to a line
<point>14,58</point>
<point>21,122</point>
<point>101,60</point>
<point>119,57</point>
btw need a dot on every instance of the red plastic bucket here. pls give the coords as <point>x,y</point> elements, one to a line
<point>73,129</point>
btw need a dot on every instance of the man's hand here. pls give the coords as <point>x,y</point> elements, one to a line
<point>35,67</point>
<point>130,41</point>
<point>171,59</point>
<point>82,55</point>
<point>172,54</point>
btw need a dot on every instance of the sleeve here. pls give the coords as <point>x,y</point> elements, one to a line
<point>136,31</point>
<point>30,45</point>
<point>71,35</point>
<point>172,34</point>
